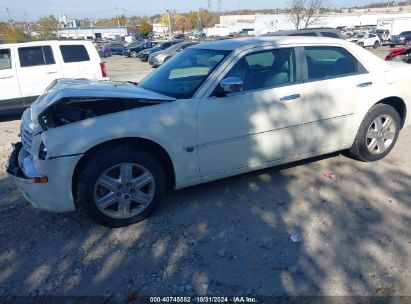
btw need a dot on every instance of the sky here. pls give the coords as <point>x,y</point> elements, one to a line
<point>28,10</point>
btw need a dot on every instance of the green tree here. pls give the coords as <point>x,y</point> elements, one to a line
<point>145,27</point>
<point>193,19</point>
<point>47,27</point>
<point>15,35</point>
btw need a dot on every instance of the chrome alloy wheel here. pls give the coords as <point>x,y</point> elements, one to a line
<point>381,134</point>
<point>124,190</point>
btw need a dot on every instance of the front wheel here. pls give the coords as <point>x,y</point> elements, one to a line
<point>121,186</point>
<point>377,134</point>
<point>376,44</point>
<point>133,54</point>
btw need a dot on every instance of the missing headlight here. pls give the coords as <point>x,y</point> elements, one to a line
<point>43,151</point>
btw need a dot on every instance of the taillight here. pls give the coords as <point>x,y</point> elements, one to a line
<point>103,69</point>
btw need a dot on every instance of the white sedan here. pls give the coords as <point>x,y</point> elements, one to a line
<point>214,110</point>
<point>367,40</point>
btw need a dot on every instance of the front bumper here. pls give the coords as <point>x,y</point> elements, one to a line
<point>56,194</point>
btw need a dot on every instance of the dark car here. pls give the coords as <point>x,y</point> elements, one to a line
<point>133,50</point>
<point>143,55</point>
<point>319,32</point>
<point>113,48</point>
<point>403,38</point>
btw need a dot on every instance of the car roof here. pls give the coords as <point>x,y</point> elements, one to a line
<point>245,43</point>
<point>45,42</point>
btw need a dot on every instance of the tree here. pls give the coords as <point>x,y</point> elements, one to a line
<point>122,20</point>
<point>16,35</point>
<point>145,27</point>
<point>206,18</point>
<point>304,13</point>
<point>193,19</point>
<point>47,27</point>
<point>182,23</point>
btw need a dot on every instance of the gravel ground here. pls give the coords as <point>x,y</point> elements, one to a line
<point>286,230</point>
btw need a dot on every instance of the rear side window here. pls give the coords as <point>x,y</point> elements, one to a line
<point>330,34</point>
<point>330,62</point>
<point>74,53</point>
<point>5,59</point>
<point>37,55</point>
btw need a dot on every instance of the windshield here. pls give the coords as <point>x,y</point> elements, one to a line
<point>359,36</point>
<point>184,73</point>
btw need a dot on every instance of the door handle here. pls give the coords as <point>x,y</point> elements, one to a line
<point>364,84</point>
<point>51,72</point>
<point>6,76</point>
<point>291,97</point>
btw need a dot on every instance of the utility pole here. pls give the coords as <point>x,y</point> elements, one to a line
<point>169,23</point>
<point>10,20</point>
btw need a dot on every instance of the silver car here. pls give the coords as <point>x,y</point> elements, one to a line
<point>157,59</point>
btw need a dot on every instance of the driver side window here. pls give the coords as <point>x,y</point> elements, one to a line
<point>265,69</point>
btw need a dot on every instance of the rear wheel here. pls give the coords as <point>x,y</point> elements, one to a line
<point>377,134</point>
<point>121,186</point>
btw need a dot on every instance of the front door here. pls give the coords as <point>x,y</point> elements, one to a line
<point>259,125</point>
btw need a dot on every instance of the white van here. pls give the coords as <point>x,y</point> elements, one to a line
<point>26,69</point>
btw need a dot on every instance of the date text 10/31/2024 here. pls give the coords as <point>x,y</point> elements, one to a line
<point>203,299</point>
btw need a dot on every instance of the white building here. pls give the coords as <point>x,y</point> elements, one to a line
<point>159,28</point>
<point>97,32</point>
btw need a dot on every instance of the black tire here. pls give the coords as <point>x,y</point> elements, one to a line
<point>359,149</point>
<point>376,45</point>
<point>392,45</point>
<point>102,161</point>
<point>166,59</point>
<point>133,54</point>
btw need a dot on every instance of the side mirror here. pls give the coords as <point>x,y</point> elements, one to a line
<point>232,85</point>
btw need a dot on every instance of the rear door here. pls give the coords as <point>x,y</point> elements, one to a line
<point>37,68</point>
<point>10,91</point>
<point>335,85</point>
<point>77,62</point>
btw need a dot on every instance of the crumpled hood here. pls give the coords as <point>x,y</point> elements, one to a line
<point>62,88</point>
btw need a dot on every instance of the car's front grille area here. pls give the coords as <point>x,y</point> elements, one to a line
<point>26,139</point>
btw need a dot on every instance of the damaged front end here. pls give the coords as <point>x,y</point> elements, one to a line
<point>68,101</point>
<point>73,109</point>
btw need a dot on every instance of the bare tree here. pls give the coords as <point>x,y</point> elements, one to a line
<point>304,13</point>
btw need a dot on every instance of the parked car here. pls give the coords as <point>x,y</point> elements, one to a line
<point>400,53</point>
<point>402,38</point>
<point>319,32</point>
<point>113,48</point>
<point>26,69</point>
<point>367,40</point>
<point>158,58</point>
<point>132,51</point>
<point>217,109</point>
<point>143,55</point>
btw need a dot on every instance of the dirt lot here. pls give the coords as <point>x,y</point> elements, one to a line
<point>230,237</point>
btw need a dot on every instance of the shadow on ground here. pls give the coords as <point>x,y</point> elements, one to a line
<point>228,237</point>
